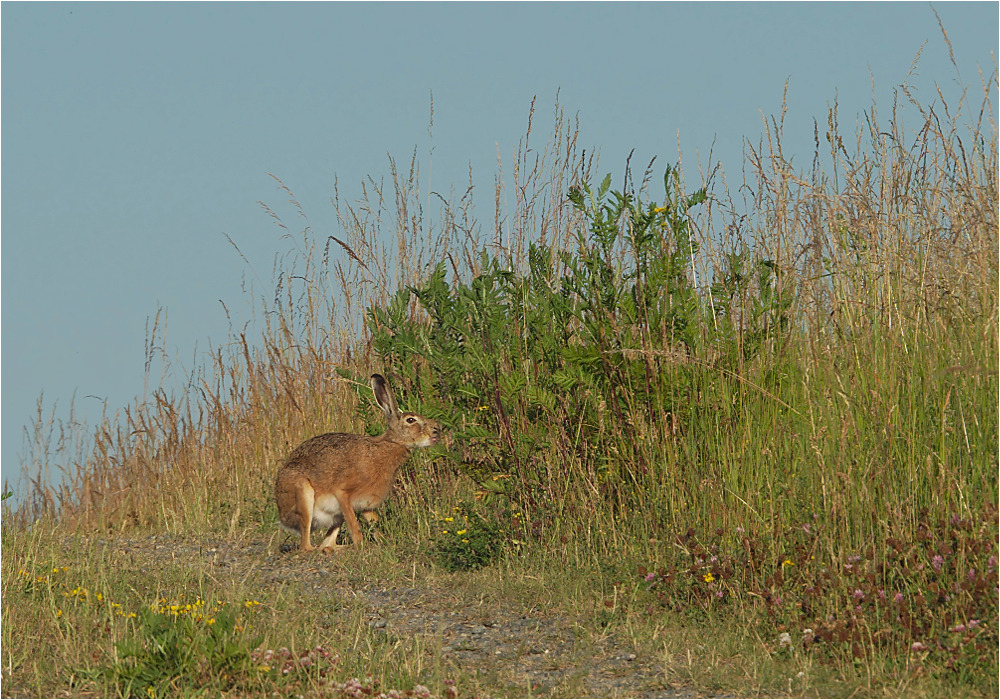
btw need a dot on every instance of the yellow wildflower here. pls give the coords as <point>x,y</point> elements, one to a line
<point>708,577</point>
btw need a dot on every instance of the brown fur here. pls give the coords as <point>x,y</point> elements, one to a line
<point>329,477</point>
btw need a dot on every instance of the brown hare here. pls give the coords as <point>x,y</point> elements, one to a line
<point>329,477</point>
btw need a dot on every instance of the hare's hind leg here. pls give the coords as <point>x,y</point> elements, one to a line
<point>305,499</point>
<point>295,499</point>
<point>329,542</point>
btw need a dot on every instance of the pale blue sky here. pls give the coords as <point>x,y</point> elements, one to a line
<point>134,135</point>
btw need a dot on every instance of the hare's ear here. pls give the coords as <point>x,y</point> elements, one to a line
<point>384,396</point>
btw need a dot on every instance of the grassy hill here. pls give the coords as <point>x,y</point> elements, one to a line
<point>701,439</point>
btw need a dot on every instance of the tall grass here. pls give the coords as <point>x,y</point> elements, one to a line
<point>802,368</point>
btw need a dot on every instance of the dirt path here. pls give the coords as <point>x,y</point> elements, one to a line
<point>524,649</point>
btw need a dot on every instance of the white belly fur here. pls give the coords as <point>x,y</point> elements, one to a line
<point>325,510</point>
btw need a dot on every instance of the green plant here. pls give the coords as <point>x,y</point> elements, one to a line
<point>630,271</point>
<point>559,353</point>
<point>465,540</point>
<point>752,301</point>
<point>172,648</point>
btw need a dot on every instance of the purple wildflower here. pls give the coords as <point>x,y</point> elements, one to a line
<point>937,562</point>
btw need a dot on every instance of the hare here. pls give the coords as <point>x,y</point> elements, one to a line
<point>329,477</point>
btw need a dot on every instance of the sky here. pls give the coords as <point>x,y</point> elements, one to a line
<point>136,137</point>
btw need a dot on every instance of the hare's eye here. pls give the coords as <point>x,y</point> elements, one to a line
<point>411,420</point>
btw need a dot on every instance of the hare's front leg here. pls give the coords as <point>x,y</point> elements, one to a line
<point>347,509</point>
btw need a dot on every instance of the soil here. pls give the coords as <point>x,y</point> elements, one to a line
<point>533,651</point>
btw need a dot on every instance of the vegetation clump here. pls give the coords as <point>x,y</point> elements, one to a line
<point>926,592</point>
<point>466,540</point>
